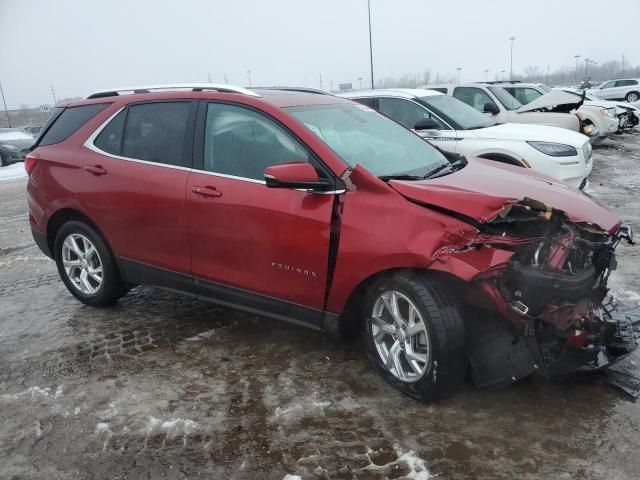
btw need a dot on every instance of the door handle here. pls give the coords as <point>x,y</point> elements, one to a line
<point>207,191</point>
<point>95,169</point>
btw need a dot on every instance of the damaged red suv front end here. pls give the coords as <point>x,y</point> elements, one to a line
<point>537,272</point>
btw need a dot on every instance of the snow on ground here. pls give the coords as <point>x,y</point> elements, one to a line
<point>13,171</point>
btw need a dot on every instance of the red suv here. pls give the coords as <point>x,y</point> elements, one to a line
<point>306,207</point>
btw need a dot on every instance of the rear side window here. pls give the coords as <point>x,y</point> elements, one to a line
<point>155,132</point>
<point>70,120</point>
<point>110,139</point>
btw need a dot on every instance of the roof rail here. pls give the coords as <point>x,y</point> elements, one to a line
<point>296,89</point>
<point>195,87</point>
<point>496,82</point>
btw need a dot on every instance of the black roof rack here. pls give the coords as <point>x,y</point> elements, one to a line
<point>502,81</point>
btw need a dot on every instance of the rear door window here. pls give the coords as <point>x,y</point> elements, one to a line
<point>156,132</point>
<point>68,121</point>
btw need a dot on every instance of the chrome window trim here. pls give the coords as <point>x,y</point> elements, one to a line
<point>89,143</point>
<point>419,105</point>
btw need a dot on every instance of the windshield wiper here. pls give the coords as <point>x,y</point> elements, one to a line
<point>438,169</point>
<point>399,176</point>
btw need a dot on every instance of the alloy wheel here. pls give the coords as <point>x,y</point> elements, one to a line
<point>400,336</point>
<point>632,97</point>
<point>82,263</point>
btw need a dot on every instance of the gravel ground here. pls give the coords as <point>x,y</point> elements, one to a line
<point>166,387</point>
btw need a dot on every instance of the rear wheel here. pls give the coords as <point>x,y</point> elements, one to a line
<point>414,335</point>
<point>3,161</point>
<point>632,97</point>
<point>85,264</point>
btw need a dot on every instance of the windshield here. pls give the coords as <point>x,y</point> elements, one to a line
<point>15,135</point>
<point>506,99</point>
<point>458,114</point>
<point>361,136</point>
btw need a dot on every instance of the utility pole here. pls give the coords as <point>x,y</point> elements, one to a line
<point>486,74</point>
<point>547,75</point>
<point>503,73</point>
<point>370,44</point>
<point>53,93</point>
<point>209,75</point>
<point>622,67</point>
<point>360,80</point>
<point>575,79</point>
<point>511,74</point>
<point>225,79</point>
<point>6,112</point>
<point>459,69</point>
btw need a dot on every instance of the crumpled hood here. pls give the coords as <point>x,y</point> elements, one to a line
<point>529,132</point>
<point>484,189</point>
<point>551,99</point>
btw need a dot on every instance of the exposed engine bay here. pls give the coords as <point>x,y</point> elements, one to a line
<point>547,308</point>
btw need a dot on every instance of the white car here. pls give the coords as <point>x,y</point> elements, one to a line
<point>628,113</point>
<point>602,114</point>
<point>456,127</point>
<point>494,100</point>
<point>620,89</point>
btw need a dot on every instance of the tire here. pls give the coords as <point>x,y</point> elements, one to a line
<point>632,97</point>
<point>73,255</point>
<point>3,162</point>
<point>441,343</point>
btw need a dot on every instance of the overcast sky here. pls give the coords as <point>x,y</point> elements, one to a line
<point>82,45</point>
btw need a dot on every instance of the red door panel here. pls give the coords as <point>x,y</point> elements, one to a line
<point>270,241</point>
<point>140,207</point>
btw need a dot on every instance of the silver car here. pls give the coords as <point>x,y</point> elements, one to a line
<point>621,89</point>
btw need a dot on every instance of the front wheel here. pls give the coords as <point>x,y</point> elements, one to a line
<point>414,335</point>
<point>86,265</point>
<point>632,97</point>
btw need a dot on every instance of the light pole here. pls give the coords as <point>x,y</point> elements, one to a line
<point>249,75</point>
<point>486,74</point>
<point>575,79</point>
<point>370,43</point>
<point>459,69</point>
<point>6,112</point>
<point>360,80</point>
<point>511,71</point>
<point>503,73</point>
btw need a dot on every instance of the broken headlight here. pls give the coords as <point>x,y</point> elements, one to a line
<point>554,149</point>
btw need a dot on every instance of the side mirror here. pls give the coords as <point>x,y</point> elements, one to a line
<point>426,124</point>
<point>491,108</point>
<point>295,175</point>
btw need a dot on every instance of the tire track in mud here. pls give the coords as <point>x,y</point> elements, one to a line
<point>112,350</point>
<point>35,281</point>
